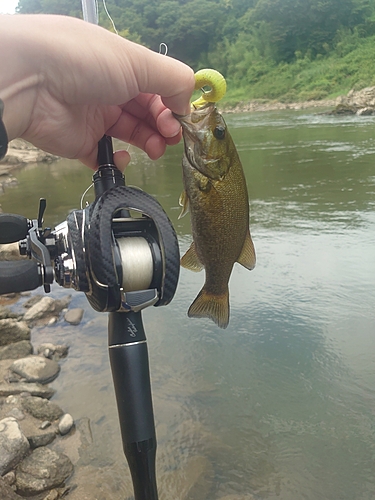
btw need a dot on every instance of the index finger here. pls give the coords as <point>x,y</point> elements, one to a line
<point>171,79</point>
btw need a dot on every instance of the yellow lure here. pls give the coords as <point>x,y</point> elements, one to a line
<point>212,79</point>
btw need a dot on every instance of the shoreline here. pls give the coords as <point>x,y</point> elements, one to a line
<point>264,106</point>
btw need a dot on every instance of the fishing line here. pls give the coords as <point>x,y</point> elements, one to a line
<point>109,16</point>
<point>84,194</point>
<point>163,49</point>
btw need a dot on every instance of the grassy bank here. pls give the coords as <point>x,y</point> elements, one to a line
<point>350,65</point>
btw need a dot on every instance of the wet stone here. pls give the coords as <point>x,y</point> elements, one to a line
<point>10,477</point>
<point>74,316</point>
<point>37,440</point>
<point>65,424</point>
<point>42,408</point>
<point>45,308</point>
<point>13,331</point>
<point>16,350</point>
<point>7,313</point>
<point>32,301</point>
<point>31,388</point>
<point>13,444</point>
<point>36,369</point>
<point>52,351</point>
<point>6,491</point>
<point>52,495</point>
<point>43,470</point>
<point>16,413</point>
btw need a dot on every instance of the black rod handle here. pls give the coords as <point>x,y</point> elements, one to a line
<point>12,228</point>
<point>107,175</point>
<point>141,459</point>
<point>19,276</point>
<point>130,370</point>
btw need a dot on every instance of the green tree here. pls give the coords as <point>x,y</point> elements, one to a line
<point>306,25</point>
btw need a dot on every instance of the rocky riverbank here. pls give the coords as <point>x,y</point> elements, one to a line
<point>361,102</point>
<point>20,153</point>
<point>45,454</point>
<point>30,424</point>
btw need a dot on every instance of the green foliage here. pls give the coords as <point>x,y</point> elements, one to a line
<point>267,49</point>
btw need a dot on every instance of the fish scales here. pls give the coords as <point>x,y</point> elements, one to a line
<point>215,192</point>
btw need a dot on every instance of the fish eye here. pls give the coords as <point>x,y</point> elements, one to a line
<point>219,132</point>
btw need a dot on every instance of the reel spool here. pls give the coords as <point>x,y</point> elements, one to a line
<point>137,263</point>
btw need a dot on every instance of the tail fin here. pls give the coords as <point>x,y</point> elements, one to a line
<point>215,307</point>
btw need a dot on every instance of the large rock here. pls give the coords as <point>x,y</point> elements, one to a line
<point>42,408</point>
<point>6,492</point>
<point>7,313</point>
<point>13,444</point>
<point>21,153</point>
<point>46,308</point>
<point>36,369</point>
<point>13,331</point>
<point>16,350</point>
<point>33,389</point>
<point>32,301</point>
<point>43,470</point>
<point>360,102</point>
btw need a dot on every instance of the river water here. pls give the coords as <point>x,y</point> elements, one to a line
<point>281,404</point>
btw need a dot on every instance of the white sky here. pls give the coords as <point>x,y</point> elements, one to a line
<point>8,6</point>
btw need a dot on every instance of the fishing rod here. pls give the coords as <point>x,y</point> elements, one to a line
<point>126,337</point>
<point>122,252</point>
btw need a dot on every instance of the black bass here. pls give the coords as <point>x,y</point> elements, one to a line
<point>215,192</point>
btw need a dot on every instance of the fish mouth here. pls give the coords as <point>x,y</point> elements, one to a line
<point>194,125</point>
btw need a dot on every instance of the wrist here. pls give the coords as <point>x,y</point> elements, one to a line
<point>19,77</point>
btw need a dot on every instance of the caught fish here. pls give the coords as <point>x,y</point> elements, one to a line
<point>216,195</point>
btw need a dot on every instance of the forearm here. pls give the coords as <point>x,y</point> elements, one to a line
<point>19,76</point>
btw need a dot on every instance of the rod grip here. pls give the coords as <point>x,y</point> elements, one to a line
<point>130,371</point>
<point>12,228</point>
<point>19,276</point>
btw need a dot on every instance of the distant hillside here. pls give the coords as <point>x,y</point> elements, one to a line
<point>289,50</point>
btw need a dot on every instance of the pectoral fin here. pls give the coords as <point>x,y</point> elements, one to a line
<point>191,260</point>
<point>184,203</point>
<point>247,256</point>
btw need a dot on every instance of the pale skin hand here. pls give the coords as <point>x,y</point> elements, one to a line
<point>65,83</point>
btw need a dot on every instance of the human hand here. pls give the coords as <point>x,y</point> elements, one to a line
<point>65,83</point>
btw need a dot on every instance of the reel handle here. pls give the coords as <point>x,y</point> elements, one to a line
<point>13,228</point>
<point>19,276</point>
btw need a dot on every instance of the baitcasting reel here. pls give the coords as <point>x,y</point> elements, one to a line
<point>121,250</point>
